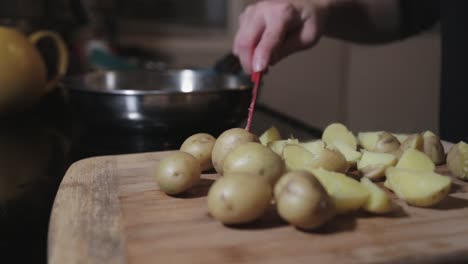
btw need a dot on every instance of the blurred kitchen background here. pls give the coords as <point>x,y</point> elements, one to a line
<point>392,87</point>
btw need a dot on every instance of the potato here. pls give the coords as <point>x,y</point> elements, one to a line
<point>314,146</point>
<point>337,131</point>
<point>347,194</point>
<point>177,172</point>
<point>239,198</point>
<point>386,143</point>
<point>414,141</point>
<point>415,159</point>
<point>278,145</point>
<point>303,202</point>
<point>368,140</point>
<point>417,187</point>
<point>299,158</point>
<point>457,160</point>
<point>433,148</point>
<point>270,135</point>
<point>256,159</point>
<point>401,137</point>
<point>378,202</point>
<point>373,164</point>
<point>226,142</point>
<point>200,146</point>
<point>351,155</point>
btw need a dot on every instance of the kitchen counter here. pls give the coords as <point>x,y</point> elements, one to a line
<point>36,149</point>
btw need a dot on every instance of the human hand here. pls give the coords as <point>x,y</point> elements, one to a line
<point>273,29</point>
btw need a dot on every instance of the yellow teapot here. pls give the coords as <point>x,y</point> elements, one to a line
<point>23,73</point>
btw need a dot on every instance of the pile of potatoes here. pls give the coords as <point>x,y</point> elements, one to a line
<point>312,182</point>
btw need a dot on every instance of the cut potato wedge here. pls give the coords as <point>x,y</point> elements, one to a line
<point>414,141</point>
<point>348,194</point>
<point>368,140</point>
<point>270,135</point>
<point>415,159</point>
<point>278,145</point>
<point>298,158</point>
<point>313,146</point>
<point>351,155</point>
<point>373,164</point>
<point>401,137</point>
<point>378,202</point>
<point>433,148</point>
<point>418,188</point>
<point>457,160</point>
<point>339,132</point>
<point>386,143</point>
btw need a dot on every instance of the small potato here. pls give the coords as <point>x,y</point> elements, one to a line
<point>339,132</point>
<point>386,143</point>
<point>414,141</point>
<point>200,146</point>
<point>226,142</point>
<point>256,159</point>
<point>270,135</point>
<point>303,201</point>
<point>239,198</point>
<point>433,148</point>
<point>177,172</point>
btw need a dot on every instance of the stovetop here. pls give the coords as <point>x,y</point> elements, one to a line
<point>36,149</point>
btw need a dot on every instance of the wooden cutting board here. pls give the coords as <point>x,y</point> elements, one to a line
<point>109,210</point>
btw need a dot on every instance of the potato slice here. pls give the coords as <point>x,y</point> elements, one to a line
<point>368,140</point>
<point>401,137</point>
<point>351,155</point>
<point>418,188</point>
<point>457,160</point>
<point>270,135</point>
<point>373,164</point>
<point>348,194</point>
<point>386,143</point>
<point>378,202</point>
<point>433,147</point>
<point>278,145</point>
<point>313,146</point>
<point>415,159</point>
<point>414,141</point>
<point>299,158</point>
<point>339,132</point>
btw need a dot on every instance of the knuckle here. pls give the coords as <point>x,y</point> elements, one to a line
<point>283,10</point>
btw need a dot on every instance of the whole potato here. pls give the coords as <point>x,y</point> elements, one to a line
<point>200,146</point>
<point>228,141</point>
<point>303,201</point>
<point>256,159</point>
<point>239,198</point>
<point>177,172</point>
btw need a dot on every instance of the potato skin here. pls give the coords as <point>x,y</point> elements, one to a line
<point>303,201</point>
<point>239,198</point>
<point>457,160</point>
<point>255,158</point>
<point>433,148</point>
<point>386,143</point>
<point>200,146</point>
<point>226,142</point>
<point>177,172</point>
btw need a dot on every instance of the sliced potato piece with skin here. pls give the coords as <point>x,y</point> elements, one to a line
<point>270,135</point>
<point>299,158</point>
<point>348,194</point>
<point>373,164</point>
<point>433,147</point>
<point>351,155</point>
<point>337,131</point>
<point>313,146</point>
<point>415,159</point>
<point>386,143</point>
<point>418,188</point>
<point>414,141</point>
<point>401,137</point>
<point>457,160</point>
<point>378,202</point>
<point>278,145</point>
<point>368,140</point>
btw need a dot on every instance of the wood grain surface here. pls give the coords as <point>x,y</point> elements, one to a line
<point>109,210</point>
